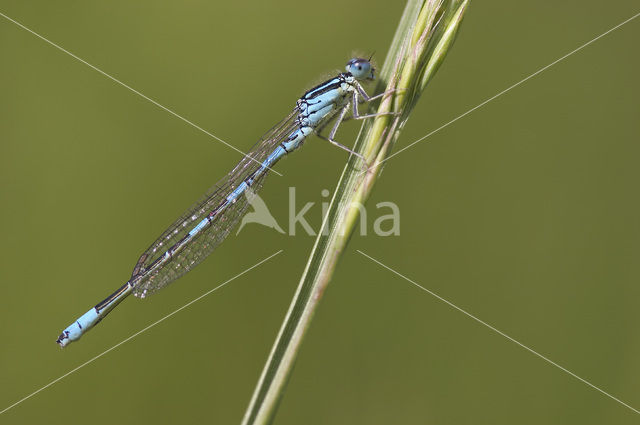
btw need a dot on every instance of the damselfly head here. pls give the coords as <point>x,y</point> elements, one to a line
<point>361,69</point>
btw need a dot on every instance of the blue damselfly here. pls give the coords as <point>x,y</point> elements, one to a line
<point>194,235</point>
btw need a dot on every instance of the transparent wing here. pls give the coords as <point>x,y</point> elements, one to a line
<point>203,243</point>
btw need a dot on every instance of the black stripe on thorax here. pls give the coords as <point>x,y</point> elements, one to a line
<point>327,86</point>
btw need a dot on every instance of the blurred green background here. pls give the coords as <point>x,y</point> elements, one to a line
<point>524,213</point>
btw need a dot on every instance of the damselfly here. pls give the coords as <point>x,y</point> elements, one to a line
<point>207,223</point>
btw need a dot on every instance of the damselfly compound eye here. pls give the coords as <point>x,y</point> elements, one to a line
<point>360,68</point>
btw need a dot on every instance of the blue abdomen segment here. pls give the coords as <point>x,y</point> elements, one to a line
<point>77,328</point>
<point>199,227</point>
<point>296,138</point>
<point>93,316</point>
<point>237,192</point>
<point>277,153</point>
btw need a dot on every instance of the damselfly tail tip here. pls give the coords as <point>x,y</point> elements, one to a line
<point>72,333</point>
<point>63,339</point>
